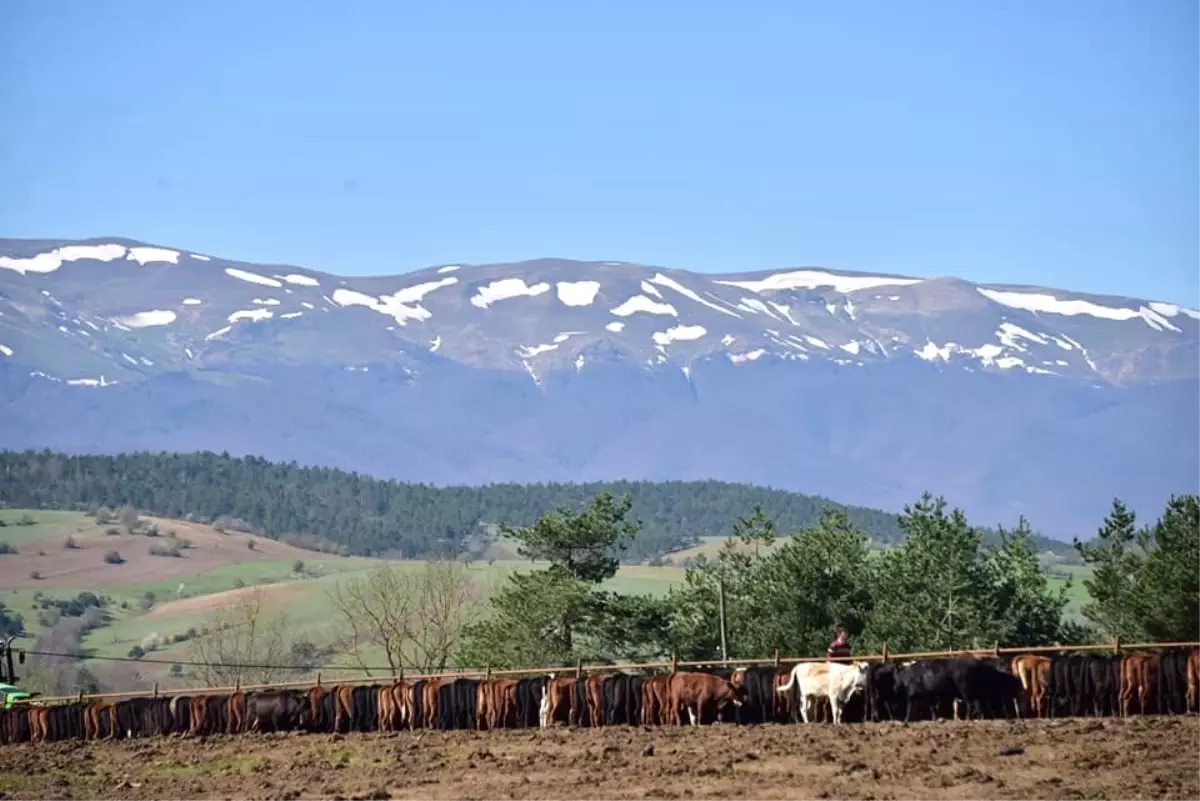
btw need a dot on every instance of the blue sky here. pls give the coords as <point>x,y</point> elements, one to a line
<point>1029,142</point>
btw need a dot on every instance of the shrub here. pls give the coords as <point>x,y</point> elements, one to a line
<point>250,545</point>
<point>147,601</point>
<point>129,518</point>
<point>298,566</point>
<point>5,548</point>
<point>114,558</point>
<point>26,520</point>
<point>238,584</point>
<point>70,544</point>
<point>136,652</point>
<point>112,531</point>
<point>169,549</point>
<point>104,515</point>
<point>176,670</point>
<point>36,575</point>
<point>49,618</point>
<point>151,530</point>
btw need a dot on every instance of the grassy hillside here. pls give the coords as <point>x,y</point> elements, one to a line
<point>362,515</point>
<point>155,600</point>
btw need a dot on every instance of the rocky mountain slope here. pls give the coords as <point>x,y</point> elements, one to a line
<point>865,388</point>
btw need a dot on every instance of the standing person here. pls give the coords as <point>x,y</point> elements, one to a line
<point>840,647</point>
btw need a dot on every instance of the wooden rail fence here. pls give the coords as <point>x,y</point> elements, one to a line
<point>1116,646</point>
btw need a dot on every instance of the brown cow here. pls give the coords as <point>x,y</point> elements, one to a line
<point>39,724</point>
<point>1034,674</point>
<point>429,702</point>
<point>1193,680</point>
<point>556,702</point>
<point>343,707</point>
<point>235,721</point>
<point>495,703</point>
<point>93,720</point>
<point>654,699</point>
<point>1139,675</point>
<point>385,704</point>
<point>593,691</point>
<point>698,692</point>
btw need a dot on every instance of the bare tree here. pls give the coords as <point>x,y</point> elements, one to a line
<point>415,617</point>
<point>242,644</point>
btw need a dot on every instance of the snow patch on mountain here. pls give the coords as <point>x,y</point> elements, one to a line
<point>679,333</point>
<point>1046,303</point>
<point>449,268</point>
<point>748,356</point>
<point>253,278</point>
<point>401,306</point>
<point>254,315</point>
<point>145,255</point>
<point>265,301</point>
<point>641,303</point>
<point>819,343</point>
<point>291,315</point>
<point>6,350</point>
<point>192,301</point>
<point>51,260</point>
<point>812,279</point>
<point>529,351</point>
<point>577,293</point>
<point>1009,333</point>
<point>148,318</point>
<point>506,289</point>
<point>671,283</point>
<point>615,326</point>
<point>198,257</point>
<point>1173,310</point>
<point>299,280</point>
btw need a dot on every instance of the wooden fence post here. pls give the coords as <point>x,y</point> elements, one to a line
<point>884,649</point>
<point>579,669</point>
<point>487,673</point>
<point>674,662</point>
<point>777,658</point>
<point>156,689</point>
<point>1117,644</point>
<point>318,678</point>
<point>996,649</point>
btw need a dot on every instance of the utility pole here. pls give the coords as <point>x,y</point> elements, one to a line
<point>721,602</point>
<point>7,674</point>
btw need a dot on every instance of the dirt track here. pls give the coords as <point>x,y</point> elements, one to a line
<point>1133,758</point>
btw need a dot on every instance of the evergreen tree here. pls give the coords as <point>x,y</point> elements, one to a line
<point>538,615</point>
<point>1167,598</point>
<point>1024,610</point>
<point>929,590</point>
<point>1116,558</point>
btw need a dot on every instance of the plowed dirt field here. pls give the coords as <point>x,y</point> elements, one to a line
<point>1132,758</point>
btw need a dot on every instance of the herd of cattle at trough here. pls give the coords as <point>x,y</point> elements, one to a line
<point>1165,681</point>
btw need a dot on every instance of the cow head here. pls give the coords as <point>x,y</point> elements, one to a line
<point>737,693</point>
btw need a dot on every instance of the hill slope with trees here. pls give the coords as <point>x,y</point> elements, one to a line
<point>358,514</point>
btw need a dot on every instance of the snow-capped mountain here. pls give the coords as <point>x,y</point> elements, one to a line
<point>868,388</point>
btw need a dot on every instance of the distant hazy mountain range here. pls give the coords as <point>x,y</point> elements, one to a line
<point>865,388</point>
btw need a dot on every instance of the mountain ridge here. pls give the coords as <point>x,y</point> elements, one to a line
<point>864,387</point>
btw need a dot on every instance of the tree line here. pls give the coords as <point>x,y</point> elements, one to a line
<point>366,516</point>
<point>942,588</point>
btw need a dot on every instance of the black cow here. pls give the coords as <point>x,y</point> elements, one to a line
<point>277,710</point>
<point>932,686</point>
<point>884,696</point>
<point>1172,681</point>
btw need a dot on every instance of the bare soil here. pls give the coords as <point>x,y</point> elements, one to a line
<point>84,566</point>
<point>1118,758</point>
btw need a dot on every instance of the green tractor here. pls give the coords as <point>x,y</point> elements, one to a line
<point>14,695</point>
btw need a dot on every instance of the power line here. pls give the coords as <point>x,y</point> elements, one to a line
<point>189,663</point>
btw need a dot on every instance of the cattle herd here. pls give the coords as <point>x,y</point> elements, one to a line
<point>1165,681</point>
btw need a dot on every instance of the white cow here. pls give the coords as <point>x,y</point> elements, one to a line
<point>834,680</point>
